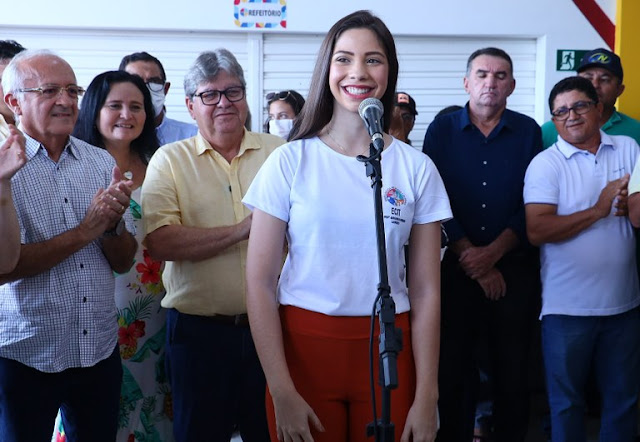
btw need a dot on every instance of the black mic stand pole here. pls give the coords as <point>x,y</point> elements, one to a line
<point>390,340</point>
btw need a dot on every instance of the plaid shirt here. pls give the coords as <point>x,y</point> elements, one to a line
<point>66,316</point>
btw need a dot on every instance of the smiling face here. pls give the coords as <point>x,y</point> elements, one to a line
<point>582,131</point>
<point>223,118</point>
<point>122,116</point>
<point>359,69</point>
<point>489,82</point>
<point>48,120</point>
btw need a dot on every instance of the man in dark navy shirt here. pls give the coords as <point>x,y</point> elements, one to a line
<point>489,273</point>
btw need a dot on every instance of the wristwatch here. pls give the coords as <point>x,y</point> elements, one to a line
<point>116,231</point>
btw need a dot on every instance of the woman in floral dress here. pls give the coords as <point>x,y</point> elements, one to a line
<point>117,115</point>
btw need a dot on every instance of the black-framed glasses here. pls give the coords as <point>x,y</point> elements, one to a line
<point>73,90</point>
<point>580,108</point>
<point>213,97</point>
<point>155,86</point>
<point>272,96</point>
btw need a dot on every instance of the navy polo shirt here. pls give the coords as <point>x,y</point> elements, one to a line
<point>484,176</point>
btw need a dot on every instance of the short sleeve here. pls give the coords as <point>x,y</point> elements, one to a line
<point>541,182</point>
<point>270,190</point>
<point>432,203</point>
<point>159,197</point>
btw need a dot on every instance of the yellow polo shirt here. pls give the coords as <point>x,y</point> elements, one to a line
<point>4,129</point>
<point>190,184</point>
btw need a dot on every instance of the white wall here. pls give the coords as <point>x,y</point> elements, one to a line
<point>557,24</point>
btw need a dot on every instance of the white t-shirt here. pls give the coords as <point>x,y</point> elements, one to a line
<point>327,201</point>
<point>593,273</point>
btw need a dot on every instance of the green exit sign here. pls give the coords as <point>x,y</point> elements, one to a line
<point>568,59</point>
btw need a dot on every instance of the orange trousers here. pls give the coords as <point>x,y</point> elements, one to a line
<point>328,357</point>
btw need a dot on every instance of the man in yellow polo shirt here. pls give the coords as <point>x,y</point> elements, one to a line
<point>195,220</point>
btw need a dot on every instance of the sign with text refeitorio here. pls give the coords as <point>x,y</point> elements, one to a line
<point>568,59</point>
<point>260,13</point>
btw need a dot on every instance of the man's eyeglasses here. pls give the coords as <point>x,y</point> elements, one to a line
<point>580,108</point>
<point>74,91</point>
<point>213,97</point>
<point>272,96</point>
<point>155,86</point>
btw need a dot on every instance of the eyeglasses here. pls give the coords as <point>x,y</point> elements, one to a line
<point>272,96</point>
<point>155,86</point>
<point>74,91</point>
<point>580,108</point>
<point>213,97</point>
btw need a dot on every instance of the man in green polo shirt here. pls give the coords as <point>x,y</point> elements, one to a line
<point>604,69</point>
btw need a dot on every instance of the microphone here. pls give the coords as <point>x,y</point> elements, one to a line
<point>371,111</point>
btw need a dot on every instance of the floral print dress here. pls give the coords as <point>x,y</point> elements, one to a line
<point>146,411</point>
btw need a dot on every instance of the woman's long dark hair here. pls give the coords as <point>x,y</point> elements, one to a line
<point>86,127</point>
<point>318,109</point>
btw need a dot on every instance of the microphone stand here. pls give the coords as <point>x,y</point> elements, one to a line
<point>390,340</point>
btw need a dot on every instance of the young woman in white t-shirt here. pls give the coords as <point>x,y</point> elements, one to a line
<point>310,319</point>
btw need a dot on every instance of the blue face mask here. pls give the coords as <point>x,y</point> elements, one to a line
<point>280,128</point>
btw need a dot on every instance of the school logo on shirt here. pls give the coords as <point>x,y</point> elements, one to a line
<point>396,198</point>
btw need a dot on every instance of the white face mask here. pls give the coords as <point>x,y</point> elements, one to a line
<point>157,99</point>
<point>280,128</point>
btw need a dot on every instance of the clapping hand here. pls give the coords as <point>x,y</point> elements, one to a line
<point>108,205</point>
<point>12,154</point>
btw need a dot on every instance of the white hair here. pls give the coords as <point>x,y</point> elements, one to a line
<point>18,70</point>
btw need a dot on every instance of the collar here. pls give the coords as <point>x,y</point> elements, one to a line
<point>568,150</point>
<point>614,119</point>
<point>33,146</point>
<point>506,119</point>
<point>249,142</point>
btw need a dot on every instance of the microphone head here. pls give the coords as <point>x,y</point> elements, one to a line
<point>369,102</point>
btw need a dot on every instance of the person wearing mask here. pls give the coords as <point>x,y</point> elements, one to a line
<point>58,314</point>
<point>283,108</point>
<point>311,319</point>
<point>152,72</point>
